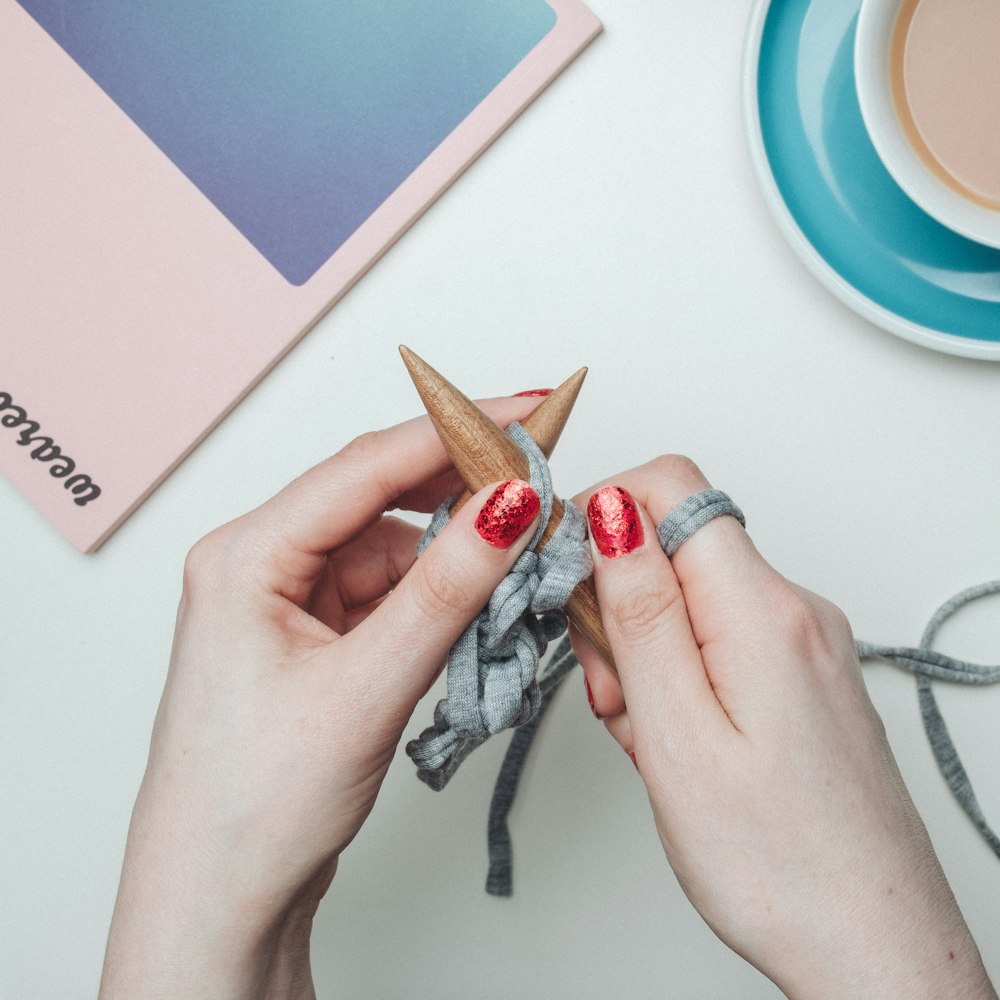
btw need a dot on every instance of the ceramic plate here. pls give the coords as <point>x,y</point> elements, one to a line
<point>838,206</point>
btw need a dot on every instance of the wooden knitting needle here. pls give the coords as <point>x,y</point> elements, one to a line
<point>546,421</point>
<point>482,453</point>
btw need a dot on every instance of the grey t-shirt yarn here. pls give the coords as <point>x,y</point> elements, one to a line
<point>494,681</point>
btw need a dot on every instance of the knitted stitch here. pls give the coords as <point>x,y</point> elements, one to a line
<point>491,669</point>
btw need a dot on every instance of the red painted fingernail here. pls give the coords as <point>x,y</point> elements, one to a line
<point>534,392</point>
<point>590,696</point>
<point>512,506</point>
<point>631,754</point>
<point>614,522</point>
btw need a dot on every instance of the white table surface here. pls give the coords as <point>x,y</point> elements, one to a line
<point>617,224</point>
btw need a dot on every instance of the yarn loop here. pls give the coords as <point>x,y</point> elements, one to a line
<point>927,664</point>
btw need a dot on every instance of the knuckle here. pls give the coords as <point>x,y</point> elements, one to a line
<point>440,590</point>
<point>202,559</point>
<point>363,450</point>
<point>817,629</point>
<point>677,468</point>
<point>211,559</point>
<point>836,621</point>
<point>793,613</point>
<point>638,612</point>
<point>835,638</point>
<point>362,460</point>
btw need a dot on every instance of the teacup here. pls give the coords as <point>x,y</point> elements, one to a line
<point>928,80</point>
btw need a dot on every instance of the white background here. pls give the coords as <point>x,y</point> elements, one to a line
<point>617,224</point>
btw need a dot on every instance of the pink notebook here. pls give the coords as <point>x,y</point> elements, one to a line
<point>185,188</point>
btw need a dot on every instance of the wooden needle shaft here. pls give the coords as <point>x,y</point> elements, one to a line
<point>546,421</point>
<point>483,454</point>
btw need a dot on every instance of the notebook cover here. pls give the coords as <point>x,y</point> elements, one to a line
<point>185,188</point>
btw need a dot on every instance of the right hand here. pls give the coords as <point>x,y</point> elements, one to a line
<point>776,797</point>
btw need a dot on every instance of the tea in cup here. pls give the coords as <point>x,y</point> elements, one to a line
<point>928,81</point>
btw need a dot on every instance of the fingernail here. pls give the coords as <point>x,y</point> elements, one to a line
<point>512,506</point>
<point>614,522</point>
<point>590,696</point>
<point>631,755</point>
<point>534,392</point>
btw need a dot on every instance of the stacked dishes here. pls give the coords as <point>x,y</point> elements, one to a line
<point>868,128</point>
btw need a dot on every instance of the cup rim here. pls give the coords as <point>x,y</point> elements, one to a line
<point>873,35</point>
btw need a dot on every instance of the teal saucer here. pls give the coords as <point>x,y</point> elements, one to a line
<point>836,203</point>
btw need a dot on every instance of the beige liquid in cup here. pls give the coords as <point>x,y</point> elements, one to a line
<point>945,68</point>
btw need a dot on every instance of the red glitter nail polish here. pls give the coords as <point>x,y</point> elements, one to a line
<point>512,506</point>
<point>534,392</point>
<point>614,522</point>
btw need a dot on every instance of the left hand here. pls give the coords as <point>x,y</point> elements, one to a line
<point>773,787</point>
<point>305,638</point>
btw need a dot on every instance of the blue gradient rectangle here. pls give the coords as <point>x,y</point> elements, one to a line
<point>296,119</point>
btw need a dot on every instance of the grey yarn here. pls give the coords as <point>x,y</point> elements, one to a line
<point>492,682</point>
<point>675,529</point>
<point>927,664</point>
<point>500,878</point>
<point>491,669</point>
<point>691,514</point>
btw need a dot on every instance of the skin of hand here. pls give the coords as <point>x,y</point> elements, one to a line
<point>306,634</point>
<point>775,794</point>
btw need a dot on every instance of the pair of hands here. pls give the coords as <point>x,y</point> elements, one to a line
<point>307,633</point>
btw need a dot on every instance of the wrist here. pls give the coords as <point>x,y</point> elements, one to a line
<point>289,975</point>
<point>894,965</point>
<point>187,924</point>
<point>168,940</point>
